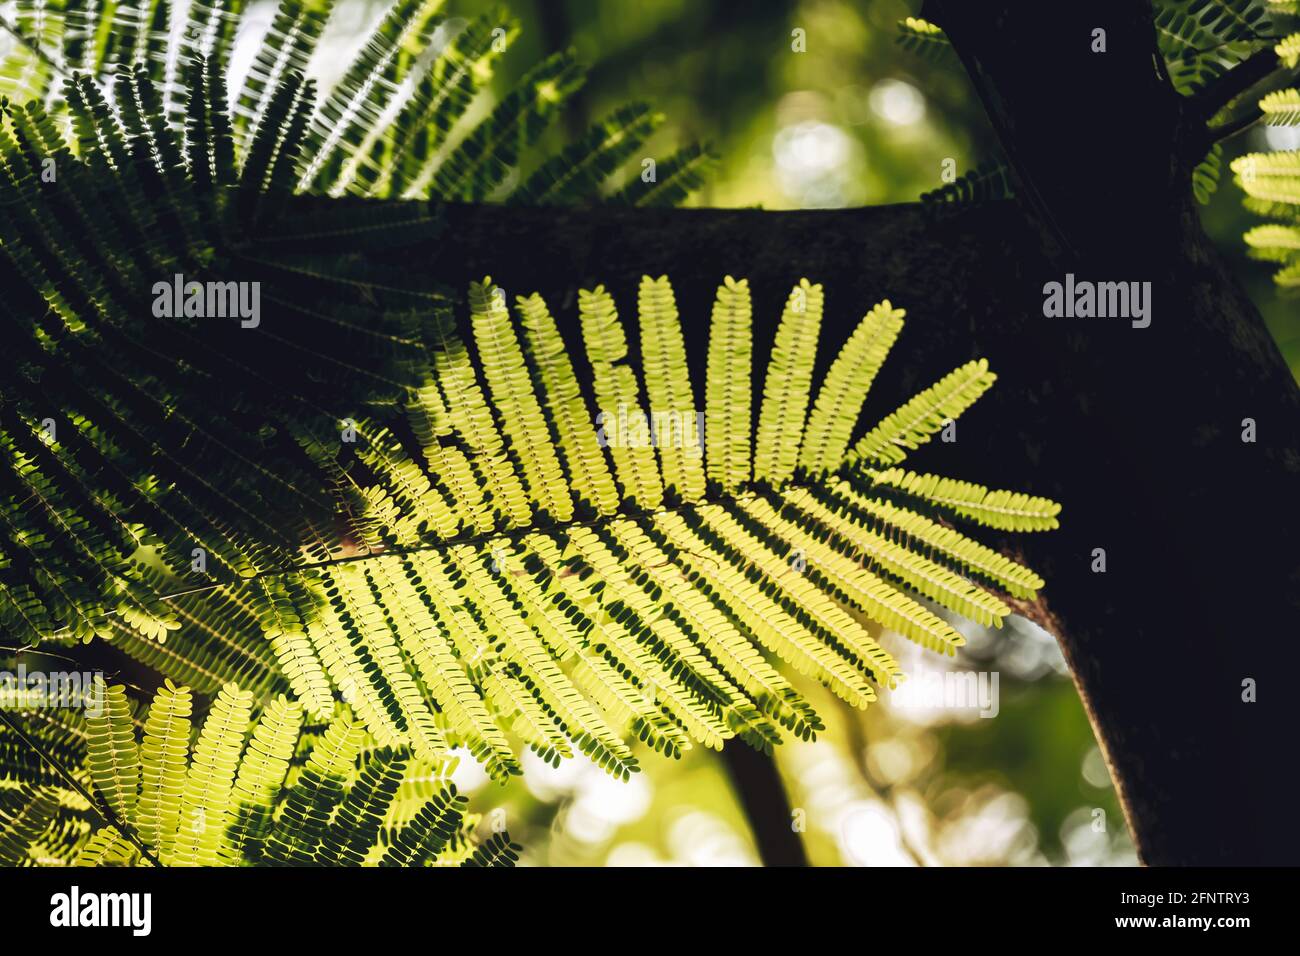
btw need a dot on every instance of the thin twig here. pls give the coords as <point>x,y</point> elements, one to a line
<point>1225,131</point>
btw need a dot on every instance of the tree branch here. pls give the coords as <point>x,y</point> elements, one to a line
<point>1225,131</point>
<point>758,786</point>
<point>1255,68</point>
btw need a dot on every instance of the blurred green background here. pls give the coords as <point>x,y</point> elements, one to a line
<point>852,120</point>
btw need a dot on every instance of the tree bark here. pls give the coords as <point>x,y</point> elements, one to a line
<point>1138,431</point>
<point>1204,548</point>
<point>756,779</point>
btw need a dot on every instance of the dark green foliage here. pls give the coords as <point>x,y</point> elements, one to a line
<point>495,851</point>
<point>1205,177</point>
<point>579,170</point>
<point>673,180</point>
<point>991,181</point>
<point>25,814</point>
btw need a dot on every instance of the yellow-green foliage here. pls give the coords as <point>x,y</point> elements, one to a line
<point>912,425</point>
<point>1274,177</point>
<point>576,440</point>
<point>668,388</point>
<point>163,756</point>
<point>352,803</point>
<point>1271,181</point>
<point>525,545</point>
<point>605,591</point>
<point>114,756</point>
<point>727,390</point>
<point>1281,107</point>
<point>787,386</point>
<point>1288,50</point>
<point>1274,242</point>
<point>569,595</point>
<point>840,400</point>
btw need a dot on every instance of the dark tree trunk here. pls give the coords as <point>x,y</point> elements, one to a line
<point>761,794</point>
<point>1136,430</point>
<point>1202,589</point>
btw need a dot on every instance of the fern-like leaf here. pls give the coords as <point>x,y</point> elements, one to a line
<point>925,40</point>
<point>670,182</point>
<point>789,382</point>
<point>163,755</point>
<point>112,754</point>
<point>986,183</point>
<point>930,410</point>
<point>1281,107</point>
